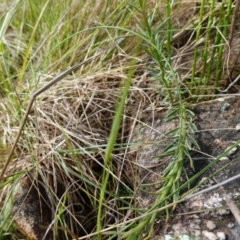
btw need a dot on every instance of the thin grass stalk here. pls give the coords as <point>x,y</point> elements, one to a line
<point>59,221</point>
<point>169,27</point>
<point>77,164</point>
<point>203,79</point>
<point>205,180</point>
<point>7,19</point>
<point>226,21</point>
<point>7,85</point>
<point>163,78</point>
<point>30,44</point>
<point>145,20</point>
<point>196,54</point>
<point>217,42</point>
<point>112,140</point>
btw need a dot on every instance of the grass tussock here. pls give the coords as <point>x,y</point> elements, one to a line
<point>74,155</point>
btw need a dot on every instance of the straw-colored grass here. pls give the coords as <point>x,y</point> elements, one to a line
<point>75,146</point>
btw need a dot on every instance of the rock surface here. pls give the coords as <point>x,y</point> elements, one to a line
<point>217,122</point>
<point>30,209</point>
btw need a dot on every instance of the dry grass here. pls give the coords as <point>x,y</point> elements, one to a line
<point>63,144</point>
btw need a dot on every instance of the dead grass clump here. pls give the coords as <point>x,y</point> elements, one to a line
<point>62,149</point>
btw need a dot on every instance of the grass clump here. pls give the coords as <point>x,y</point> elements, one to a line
<point>74,155</point>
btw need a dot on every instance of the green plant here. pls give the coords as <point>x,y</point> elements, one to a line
<point>77,131</point>
<point>157,46</point>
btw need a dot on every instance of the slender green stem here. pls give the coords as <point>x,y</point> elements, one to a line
<point>222,43</point>
<point>112,140</point>
<point>203,78</point>
<point>195,57</point>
